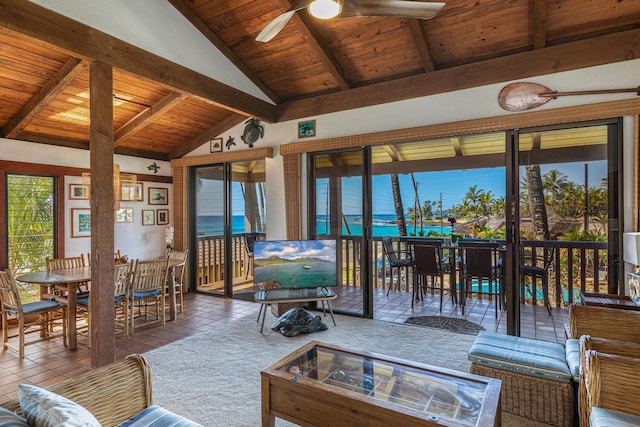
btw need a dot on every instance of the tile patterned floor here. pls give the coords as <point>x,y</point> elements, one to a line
<point>50,362</point>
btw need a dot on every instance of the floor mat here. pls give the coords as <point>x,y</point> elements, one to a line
<point>452,324</point>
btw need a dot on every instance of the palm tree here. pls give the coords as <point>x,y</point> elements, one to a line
<point>554,183</point>
<point>397,204</point>
<point>537,205</point>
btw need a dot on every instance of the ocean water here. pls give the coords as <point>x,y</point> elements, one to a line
<point>383,225</point>
<point>317,274</point>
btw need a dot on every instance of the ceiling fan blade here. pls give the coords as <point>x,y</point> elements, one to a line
<point>398,8</point>
<point>278,23</point>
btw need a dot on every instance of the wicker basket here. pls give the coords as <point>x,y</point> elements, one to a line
<point>113,393</point>
<point>532,398</point>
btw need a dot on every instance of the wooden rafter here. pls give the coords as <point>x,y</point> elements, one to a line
<point>539,23</point>
<point>26,20</point>
<point>393,153</point>
<point>145,117</point>
<point>622,46</point>
<point>204,29</point>
<point>457,147</point>
<point>320,47</point>
<point>422,44</point>
<point>63,78</point>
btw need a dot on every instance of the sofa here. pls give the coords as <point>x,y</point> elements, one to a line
<point>119,394</point>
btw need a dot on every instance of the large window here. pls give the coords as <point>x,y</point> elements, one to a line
<point>30,224</point>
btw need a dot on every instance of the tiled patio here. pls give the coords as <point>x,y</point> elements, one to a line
<point>50,362</point>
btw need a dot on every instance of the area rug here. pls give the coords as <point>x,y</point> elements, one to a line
<point>214,377</point>
<point>452,324</point>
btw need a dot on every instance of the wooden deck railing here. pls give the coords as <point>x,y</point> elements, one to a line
<point>576,266</point>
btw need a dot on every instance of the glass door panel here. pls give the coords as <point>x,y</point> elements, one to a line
<point>248,207</point>
<point>210,228</point>
<point>433,190</point>
<point>564,214</point>
<point>338,206</point>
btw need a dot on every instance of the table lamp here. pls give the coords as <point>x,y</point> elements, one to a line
<point>631,245</point>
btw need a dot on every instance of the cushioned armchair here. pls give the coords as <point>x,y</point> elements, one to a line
<point>601,322</point>
<point>612,389</point>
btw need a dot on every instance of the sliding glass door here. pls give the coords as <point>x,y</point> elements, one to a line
<point>229,208</point>
<point>337,201</point>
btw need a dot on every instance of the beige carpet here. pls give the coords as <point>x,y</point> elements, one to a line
<point>214,377</point>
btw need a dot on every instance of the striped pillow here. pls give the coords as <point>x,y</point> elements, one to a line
<point>11,419</point>
<point>157,416</point>
<point>43,408</point>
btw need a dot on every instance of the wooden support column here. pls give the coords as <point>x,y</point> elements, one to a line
<point>103,342</point>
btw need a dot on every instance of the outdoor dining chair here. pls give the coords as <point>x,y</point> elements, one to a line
<point>32,317</point>
<point>536,267</point>
<point>428,271</point>
<point>481,262</point>
<point>399,260</point>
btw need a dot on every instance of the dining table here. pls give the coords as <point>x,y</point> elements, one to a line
<point>70,279</point>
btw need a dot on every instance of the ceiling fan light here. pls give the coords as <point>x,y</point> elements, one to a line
<point>325,9</point>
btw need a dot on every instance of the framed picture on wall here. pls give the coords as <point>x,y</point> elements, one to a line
<point>148,217</point>
<point>158,196</point>
<point>215,145</point>
<point>162,216</point>
<point>132,192</point>
<point>80,222</point>
<point>124,215</point>
<point>78,192</point>
<point>307,129</point>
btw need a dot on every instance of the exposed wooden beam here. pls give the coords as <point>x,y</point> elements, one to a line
<point>145,117</point>
<point>422,44</point>
<point>207,135</point>
<point>622,46</point>
<point>25,19</point>
<point>204,29</point>
<point>63,78</point>
<point>393,153</point>
<point>320,47</point>
<point>539,23</point>
<point>536,140</point>
<point>455,143</point>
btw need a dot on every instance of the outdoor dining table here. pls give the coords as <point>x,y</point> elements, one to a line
<point>71,278</point>
<point>454,263</point>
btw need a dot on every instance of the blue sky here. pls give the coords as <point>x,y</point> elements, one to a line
<point>293,249</point>
<point>453,185</point>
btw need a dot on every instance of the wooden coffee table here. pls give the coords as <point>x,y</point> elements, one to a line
<point>322,384</point>
<point>609,300</point>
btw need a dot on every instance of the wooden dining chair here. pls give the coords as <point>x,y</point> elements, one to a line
<point>177,277</point>
<point>32,317</point>
<point>121,287</point>
<point>148,282</point>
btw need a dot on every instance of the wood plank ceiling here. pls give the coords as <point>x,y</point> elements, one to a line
<point>163,111</point>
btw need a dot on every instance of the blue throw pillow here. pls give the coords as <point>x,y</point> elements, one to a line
<point>43,408</point>
<point>11,419</point>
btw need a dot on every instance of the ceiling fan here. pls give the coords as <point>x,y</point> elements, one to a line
<point>327,9</point>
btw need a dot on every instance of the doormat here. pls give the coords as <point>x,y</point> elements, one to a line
<point>452,324</point>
